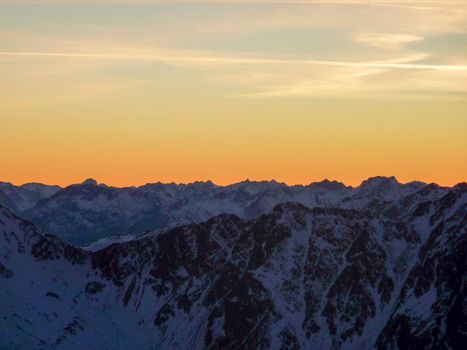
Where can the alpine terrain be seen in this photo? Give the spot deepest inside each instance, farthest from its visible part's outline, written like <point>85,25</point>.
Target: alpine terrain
<point>255,265</point>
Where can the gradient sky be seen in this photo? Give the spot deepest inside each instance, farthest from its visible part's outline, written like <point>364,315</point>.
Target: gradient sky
<point>130,92</point>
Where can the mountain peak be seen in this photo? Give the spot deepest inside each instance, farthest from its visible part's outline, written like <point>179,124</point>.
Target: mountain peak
<point>380,180</point>
<point>328,185</point>
<point>89,181</point>
<point>202,184</point>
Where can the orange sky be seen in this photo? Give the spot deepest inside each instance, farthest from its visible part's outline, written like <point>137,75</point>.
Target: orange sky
<point>130,94</point>
<point>312,145</point>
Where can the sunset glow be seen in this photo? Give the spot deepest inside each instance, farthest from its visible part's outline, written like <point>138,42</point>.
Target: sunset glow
<point>130,92</point>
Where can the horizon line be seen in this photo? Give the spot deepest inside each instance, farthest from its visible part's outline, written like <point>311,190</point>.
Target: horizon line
<point>246,180</point>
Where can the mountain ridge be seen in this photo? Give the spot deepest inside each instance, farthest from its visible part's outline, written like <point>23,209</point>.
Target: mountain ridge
<point>246,180</point>
<point>82,213</point>
<point>295,277</point>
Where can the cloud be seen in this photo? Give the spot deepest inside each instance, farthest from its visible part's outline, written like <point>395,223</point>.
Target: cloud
<point>271,77</point>
<point>382,63</point>
<point>387,41</point>
<point>209,59</point>
<point>356,82</point>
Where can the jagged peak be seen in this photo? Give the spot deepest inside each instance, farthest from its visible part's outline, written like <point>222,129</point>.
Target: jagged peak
<point>462,186</point>
<point>197,183</point>
<point>159,183</point>
<point>378,181</point>
<point>328,184</point>
<point>416,183</point>
<point>253,183</point>
<point>6,184</point>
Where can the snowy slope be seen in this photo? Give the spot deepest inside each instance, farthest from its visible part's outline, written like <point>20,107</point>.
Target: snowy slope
<point>24,197</point>
<point>85,212</point>
<point>295,278</point>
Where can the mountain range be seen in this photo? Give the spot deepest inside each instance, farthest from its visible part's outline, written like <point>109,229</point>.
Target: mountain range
<point>255,265</point>
<point>83,213</point>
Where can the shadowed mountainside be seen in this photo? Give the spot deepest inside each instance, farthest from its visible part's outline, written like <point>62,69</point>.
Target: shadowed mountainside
<point>388,275</point>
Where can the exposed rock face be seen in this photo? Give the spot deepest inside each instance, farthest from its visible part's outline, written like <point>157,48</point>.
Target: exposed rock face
<point>438,281</point>
<point>294,278</point>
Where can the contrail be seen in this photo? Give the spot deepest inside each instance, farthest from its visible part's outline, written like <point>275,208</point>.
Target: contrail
<point>236,60</point>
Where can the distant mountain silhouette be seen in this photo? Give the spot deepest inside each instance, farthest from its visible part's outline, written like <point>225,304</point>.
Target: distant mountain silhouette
<point>85,212</point>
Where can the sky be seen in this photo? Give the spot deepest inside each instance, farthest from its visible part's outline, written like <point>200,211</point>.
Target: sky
<point>130,92</point>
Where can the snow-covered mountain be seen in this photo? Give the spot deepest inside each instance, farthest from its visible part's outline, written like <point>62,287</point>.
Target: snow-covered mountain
<point>390,274</point>
<point>24,197</point>
<point>88,211</point>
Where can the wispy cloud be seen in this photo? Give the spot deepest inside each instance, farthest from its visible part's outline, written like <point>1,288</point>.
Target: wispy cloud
<point>268,77</point>
<point>195,58</point>
<point>375,58</point>
<point>387,41</point>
